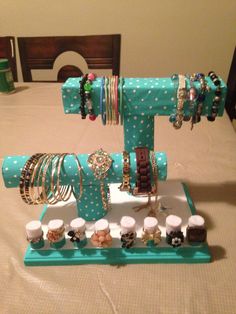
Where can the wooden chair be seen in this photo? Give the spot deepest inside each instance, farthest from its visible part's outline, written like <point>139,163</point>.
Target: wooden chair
<point>99,51</point>
<point>8,51</point>
<point>230,102</point>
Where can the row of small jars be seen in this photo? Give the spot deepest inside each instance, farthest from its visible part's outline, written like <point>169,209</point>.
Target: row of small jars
<point>101,238</point>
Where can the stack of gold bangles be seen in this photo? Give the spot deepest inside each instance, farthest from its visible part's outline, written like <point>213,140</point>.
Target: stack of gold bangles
<point>40,179</point>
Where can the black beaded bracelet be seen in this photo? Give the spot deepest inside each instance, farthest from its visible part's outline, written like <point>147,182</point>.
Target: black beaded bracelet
<point>217,98</point>
<point>82,96</point>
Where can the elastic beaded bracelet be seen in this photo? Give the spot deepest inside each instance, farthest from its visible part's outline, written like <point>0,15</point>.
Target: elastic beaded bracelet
<point>87,91</point>
<point>216,100</point>
<point>192,101</point>
<point>201,96</point>
<point>102,111</point>
<point>181,94</point>
<point>82,97</point>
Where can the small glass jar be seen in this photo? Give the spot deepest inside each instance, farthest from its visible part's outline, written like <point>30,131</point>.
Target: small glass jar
<point>6,78</point>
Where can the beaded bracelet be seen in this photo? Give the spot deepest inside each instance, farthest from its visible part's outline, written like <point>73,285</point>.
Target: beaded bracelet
<point>87,90</point>
<point>217,98</point>
<point>82,97</point>
<point>192,101</point>
<point>200,97</point>
<point>181,94</point>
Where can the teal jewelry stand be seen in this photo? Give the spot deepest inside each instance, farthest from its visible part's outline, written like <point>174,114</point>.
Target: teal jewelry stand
<point>142,100</point>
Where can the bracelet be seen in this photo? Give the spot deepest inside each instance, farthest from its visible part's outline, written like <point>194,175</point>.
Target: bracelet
<point>87,91</point>
<point>116,99</point>
<point>154,172</point>
<point>121,101</point>
<point>39,198</point>
<point>69,191</point>
<point>181,95</point>
<point>25,178</point>
<point>82,97</point>
<point>58,192</point>
<point>217,98</point>
<point>80,178</point>
<point>100,162</point>
<point>143,181</point>
<point>125,186</point>
<point>106,100</point>
<point>102,112</point>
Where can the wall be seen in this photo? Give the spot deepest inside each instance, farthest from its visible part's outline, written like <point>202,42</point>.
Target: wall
<point>158,37</point>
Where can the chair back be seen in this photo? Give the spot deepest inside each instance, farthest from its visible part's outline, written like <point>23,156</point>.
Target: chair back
<point>230,103</point>
<point>99,52</point>
<point>8,51</point>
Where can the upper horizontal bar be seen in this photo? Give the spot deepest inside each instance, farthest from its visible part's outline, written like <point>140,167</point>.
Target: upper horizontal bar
<point>142,96</point>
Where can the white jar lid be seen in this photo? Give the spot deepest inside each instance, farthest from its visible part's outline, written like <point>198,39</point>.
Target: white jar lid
<point>150,224</point>
<point>101,225</point>
<point>55,224</point>
<point>173,223</point>
<point>127,224</point>
<point>34,229</point>
<point>78,224</point>
<point>196,221</point>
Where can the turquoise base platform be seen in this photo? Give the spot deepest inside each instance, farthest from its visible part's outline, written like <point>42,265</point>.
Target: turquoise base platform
<point>173,195</point>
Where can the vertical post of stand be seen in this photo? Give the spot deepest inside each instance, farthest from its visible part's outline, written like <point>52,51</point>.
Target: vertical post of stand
<point>138,131</point>
<point>90,206</point>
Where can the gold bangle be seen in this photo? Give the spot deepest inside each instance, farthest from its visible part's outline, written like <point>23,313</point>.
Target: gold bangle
<point>154,173</point>
<point>38,199</point>
<point>125,186</point>
<point>25,178</point>
<point>69,189</point>
<point>47,197</point>
<point>80,178</point>
<point>57,193</point>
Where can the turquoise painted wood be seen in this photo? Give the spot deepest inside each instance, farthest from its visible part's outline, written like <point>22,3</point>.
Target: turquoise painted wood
<point>191,254</point>
<point>90,204</point>
<point>143,98</point>
<point>12,166</point>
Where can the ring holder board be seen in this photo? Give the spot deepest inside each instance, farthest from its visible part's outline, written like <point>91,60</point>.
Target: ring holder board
<point>143,98</point>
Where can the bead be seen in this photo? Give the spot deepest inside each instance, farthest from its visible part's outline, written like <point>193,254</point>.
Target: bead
<point>216,81</point>
<point>199,76</point>
<point>214,109</point>
<point>217,99</point>
<point>172,118</point>
<point>91,76</point>
<point>213,76</point>
<point>87,86</point>
<point>177,125</point>
<point>92,117</point>
<point>192,93</point>
<point>218,92</point>
<point>210,118</point>
<point>201,97</point>
<point>209,74</point>
<point>174,77</point>
<point>187,118</point>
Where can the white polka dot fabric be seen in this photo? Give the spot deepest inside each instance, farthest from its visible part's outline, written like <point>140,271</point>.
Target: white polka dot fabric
<point>90,204</point>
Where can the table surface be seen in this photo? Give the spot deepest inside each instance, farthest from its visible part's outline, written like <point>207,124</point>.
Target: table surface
<point>32,120</point>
